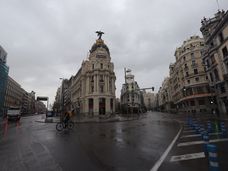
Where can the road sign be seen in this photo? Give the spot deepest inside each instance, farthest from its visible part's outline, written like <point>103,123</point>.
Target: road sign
<point>39,98</point>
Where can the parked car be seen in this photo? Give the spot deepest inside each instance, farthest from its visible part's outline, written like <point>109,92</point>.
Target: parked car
<point>14,113</point>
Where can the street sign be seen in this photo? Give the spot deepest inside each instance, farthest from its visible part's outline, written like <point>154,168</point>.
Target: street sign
<point>39,98</point>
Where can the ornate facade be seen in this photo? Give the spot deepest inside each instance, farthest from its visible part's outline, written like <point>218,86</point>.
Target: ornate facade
<point>92,89</point>
<point>215,57</point>
<point>189,89</point>
<point>131,98</point>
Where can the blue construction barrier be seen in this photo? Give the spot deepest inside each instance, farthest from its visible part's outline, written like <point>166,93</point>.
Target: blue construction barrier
<point>223,130</point>
<point>209,127</point>
<point>205,138</point>
<point>213,157</point>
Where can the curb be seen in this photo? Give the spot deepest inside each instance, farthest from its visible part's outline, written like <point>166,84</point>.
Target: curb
<point>98,121</point>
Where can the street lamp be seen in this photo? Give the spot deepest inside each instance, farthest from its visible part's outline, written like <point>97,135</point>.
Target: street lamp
<point>62,97</point>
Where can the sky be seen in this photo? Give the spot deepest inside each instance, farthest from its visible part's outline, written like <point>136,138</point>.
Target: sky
<point>48,39</point>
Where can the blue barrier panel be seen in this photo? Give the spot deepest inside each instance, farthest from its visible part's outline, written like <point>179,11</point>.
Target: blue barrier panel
<point>206,140</point>
<point>224,133</point>
<point>213,157</point>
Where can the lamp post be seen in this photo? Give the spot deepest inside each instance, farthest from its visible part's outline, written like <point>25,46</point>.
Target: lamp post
<point>62,98</point>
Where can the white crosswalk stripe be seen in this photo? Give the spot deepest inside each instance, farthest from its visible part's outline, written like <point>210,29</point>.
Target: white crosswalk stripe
<point>187,157</point>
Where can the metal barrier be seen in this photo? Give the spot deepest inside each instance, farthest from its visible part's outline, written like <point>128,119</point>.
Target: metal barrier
<point>213,157</point>
<point>205,137</point>
<point>223,130</point>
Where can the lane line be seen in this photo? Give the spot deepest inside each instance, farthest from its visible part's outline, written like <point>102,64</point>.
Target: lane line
<point>187,157</point>
<point>164,155</point>
<point>200,142</point>
<point>198,135</point>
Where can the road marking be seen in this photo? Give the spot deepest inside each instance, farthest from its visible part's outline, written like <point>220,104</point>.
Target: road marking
<point>164,155</point>
<point>187,157</point>
<point>200,142</point>
<point>198,135</point>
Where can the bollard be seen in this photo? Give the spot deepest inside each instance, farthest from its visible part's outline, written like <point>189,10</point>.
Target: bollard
<point>213,157</point>
<point>209,127</point>
<point>223,133</point>
<point>206,141</point>
<point>222,125</point>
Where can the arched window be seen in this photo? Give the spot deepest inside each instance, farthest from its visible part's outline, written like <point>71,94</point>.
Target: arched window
<point>216,75</point>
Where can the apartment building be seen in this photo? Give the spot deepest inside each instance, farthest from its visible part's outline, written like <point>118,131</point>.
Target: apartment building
<point>215,57</point>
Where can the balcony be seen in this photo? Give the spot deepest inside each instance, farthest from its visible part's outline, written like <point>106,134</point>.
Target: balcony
<point>194,65</point>
<point>225,77</point>
<point>101,81</point>
<point>225,58</point>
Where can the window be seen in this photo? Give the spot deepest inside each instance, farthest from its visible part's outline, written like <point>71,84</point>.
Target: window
<point>211,77</point>
<point>192,103</point>
<point>216,75</point>
<point>197,78</point>
<point>101,78</point>
<point>212,59</point>
<point>207,63</point>
<point>93,66</point>
<point>187,74</point>
<point>225,52</point>
<point>184,58</point>
<point>195,71</point>
<point>188,81</point>
<point>201,102</point>
<point>222,88</point>
<point>199,90</point>
<point>192,56</point>
<point>101,66</point>
<point>221,38</point>
<point>101,88</point>
<point>92,88</point>
<point>185,66</point>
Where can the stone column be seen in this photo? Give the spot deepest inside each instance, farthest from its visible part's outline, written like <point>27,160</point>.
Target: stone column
<point>107,106</point>
<point>95,83</point>
<point>98,83</point>
<point>87,85</point>
<point>96,106</point>
<point>86,106</point>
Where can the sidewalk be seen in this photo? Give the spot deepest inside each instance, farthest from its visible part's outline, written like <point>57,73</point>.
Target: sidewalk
<point>116,118</point>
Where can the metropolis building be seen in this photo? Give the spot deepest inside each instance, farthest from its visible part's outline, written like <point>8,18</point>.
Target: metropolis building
<point>92,89</point>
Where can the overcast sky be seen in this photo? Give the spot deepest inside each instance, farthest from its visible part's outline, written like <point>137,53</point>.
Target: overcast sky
<point>49,39</point>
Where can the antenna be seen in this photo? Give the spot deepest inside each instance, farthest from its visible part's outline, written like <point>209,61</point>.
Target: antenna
<point>218,5</point>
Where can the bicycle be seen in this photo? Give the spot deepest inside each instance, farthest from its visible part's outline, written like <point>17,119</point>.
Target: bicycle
<point>62,125</point>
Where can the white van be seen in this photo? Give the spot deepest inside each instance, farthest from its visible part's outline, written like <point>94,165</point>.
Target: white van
<point>14,113</point>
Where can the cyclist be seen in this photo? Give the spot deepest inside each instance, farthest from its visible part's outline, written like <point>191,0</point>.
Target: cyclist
<point>67,116</point>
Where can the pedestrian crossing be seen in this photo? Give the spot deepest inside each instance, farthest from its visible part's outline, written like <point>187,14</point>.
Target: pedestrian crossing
<point>190,146</point>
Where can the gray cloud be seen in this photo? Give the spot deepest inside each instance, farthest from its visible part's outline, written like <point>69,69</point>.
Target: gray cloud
<point>49,39</point>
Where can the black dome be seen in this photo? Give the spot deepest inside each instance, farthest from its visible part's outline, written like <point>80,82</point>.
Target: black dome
<point>96,45</point>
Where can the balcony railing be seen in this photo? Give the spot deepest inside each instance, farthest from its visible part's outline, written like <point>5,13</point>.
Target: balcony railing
<point>225,77</point>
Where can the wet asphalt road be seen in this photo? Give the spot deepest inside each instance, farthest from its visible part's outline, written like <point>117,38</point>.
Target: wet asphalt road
<point>133,145</point>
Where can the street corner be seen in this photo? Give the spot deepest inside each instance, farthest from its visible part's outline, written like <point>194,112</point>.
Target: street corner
<point>199,142</point>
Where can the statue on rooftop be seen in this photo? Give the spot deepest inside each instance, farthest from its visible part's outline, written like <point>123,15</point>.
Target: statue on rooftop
<point>99,34</point>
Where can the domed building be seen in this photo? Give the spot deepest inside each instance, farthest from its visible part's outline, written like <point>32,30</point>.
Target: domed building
<point>93,87</point>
